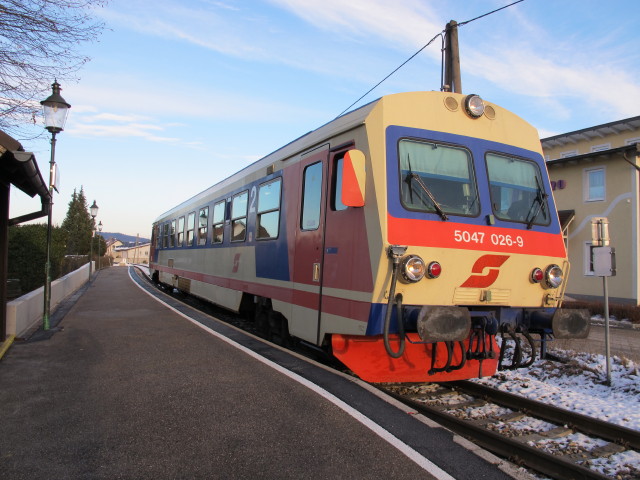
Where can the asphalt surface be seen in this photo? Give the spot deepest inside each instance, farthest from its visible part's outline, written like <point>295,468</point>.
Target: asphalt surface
<point>624,341</point>
<point>128,388</point>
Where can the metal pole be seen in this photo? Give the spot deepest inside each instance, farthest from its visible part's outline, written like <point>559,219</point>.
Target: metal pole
<point>90,253</point>
<point>452,58</point>
<point>4,257</point>
<point>47,267</point>
<point>607,344</point>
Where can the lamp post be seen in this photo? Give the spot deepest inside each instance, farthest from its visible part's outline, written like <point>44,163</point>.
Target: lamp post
<point>94,213</point>
<point>55,110</point>
<point>99,238</point>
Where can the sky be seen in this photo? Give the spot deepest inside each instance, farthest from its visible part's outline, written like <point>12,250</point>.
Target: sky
<point>180,94</point>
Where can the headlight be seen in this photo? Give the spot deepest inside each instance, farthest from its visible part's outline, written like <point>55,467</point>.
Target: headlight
<point>474,105</point>
<point>412,269</point>
<point>553,276</point>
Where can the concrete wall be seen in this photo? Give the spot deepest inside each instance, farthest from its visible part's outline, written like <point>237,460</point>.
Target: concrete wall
<point>25,313</point>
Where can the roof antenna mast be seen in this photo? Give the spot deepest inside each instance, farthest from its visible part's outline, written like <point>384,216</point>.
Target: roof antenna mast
<point>452,79</point>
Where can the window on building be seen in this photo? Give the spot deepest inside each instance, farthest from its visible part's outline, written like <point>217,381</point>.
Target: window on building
<point>311,197</point>
<point>594,184</point>
<point>601,148</point>
<point>180,231</point>
<point>191,225</point>
<point>269,209</point>
<point>239,217</point>
<point>631,141</point>
<point>203,225</point>
<point>569,153</point>
<point>218,221</point>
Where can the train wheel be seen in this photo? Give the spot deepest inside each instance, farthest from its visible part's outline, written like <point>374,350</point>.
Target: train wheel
<point>279,329</point>
<point>262,322</point>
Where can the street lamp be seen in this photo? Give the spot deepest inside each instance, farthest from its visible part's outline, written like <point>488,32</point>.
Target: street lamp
<point>55,110</point>
<point>99,238</point>
<point>94,213</point>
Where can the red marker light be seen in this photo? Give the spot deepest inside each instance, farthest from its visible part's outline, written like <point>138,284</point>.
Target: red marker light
<point>434,270</point>
<point>537,275</point>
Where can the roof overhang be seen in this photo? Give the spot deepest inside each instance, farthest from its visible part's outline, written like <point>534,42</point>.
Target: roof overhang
<point>627,150</point>
<point>19,168</point>
<point>587,134</point>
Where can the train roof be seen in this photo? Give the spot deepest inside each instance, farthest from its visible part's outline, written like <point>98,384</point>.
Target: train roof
<point>334,127</point>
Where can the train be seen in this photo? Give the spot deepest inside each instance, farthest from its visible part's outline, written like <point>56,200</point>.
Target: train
<point>414,239</point>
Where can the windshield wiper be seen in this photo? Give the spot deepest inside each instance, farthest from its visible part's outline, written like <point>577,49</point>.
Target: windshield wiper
<point>426,190</point>
<point>540,199</point>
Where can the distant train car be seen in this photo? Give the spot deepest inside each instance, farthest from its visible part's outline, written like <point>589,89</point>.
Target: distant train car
<point>401,237</point>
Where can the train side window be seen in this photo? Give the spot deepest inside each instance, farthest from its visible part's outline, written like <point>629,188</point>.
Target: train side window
<point>311,197</point>
<point>239,217</point>
<point>269,209</point>
<point>180,231</point>
<point>336,201</point>
<point>191,225</point>
<point>156,236</point>
<point>172,234</point>
<point>165,235</point>
<point>203,226</point>
<point>218,222</point>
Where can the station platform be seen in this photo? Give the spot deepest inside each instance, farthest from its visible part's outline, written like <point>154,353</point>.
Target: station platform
<point>134,386</point>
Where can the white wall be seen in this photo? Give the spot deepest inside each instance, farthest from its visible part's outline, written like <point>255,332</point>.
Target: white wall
<point>25,313</point>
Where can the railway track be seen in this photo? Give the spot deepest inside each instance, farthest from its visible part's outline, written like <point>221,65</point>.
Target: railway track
<point>555,442</point>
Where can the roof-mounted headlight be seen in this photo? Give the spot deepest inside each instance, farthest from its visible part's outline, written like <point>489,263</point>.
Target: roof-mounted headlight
<point>474,105</point>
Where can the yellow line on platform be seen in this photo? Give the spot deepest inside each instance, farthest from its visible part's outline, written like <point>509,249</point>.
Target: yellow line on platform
<point>6,344</point>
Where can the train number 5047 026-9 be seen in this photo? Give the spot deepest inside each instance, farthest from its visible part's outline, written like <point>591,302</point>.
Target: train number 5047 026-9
<point>464,236</point>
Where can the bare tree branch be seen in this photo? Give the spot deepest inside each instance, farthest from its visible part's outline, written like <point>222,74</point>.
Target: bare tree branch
<point>39,42</point>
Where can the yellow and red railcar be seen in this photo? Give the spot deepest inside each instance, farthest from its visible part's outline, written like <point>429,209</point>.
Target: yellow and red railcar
<point>402,236</point>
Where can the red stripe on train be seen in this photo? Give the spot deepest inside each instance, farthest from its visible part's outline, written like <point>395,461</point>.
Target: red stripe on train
<point>429,233</point>
<point>353,309</point>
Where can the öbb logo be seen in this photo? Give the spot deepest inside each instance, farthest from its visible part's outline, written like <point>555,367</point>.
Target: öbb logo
<point>491,262</point>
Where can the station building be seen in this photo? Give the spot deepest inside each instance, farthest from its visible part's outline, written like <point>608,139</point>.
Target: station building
<point>595,172</point>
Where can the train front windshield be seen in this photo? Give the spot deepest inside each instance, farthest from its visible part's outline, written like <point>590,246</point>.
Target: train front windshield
<point>439,178</point>
<point>516,190</point>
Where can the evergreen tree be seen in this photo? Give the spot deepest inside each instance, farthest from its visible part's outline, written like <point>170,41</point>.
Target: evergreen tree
<point>78,225</point>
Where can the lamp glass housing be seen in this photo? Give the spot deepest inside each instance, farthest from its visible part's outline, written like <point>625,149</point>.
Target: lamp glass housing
<point>94,209</point>
<point>55,110</point>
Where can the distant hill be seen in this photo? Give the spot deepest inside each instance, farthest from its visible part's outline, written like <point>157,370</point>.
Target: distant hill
<point>126,239</point>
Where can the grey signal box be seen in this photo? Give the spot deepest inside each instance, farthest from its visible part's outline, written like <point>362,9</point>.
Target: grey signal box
<point>604,261</point>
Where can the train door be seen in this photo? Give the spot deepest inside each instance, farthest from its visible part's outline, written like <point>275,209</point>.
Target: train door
<point>308,256</point>
<point>347,280</point>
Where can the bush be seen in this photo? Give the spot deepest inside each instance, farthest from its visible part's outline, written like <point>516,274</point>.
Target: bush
<point>28,254</point>
<point>620,311</point>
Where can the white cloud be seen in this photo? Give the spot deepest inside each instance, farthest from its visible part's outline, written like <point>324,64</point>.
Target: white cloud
<point>407,23</point>
<point>527,72</point>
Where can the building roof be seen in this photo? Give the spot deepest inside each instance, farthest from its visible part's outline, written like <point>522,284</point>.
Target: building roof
<point>627,149</point>
<point>597,131</point>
